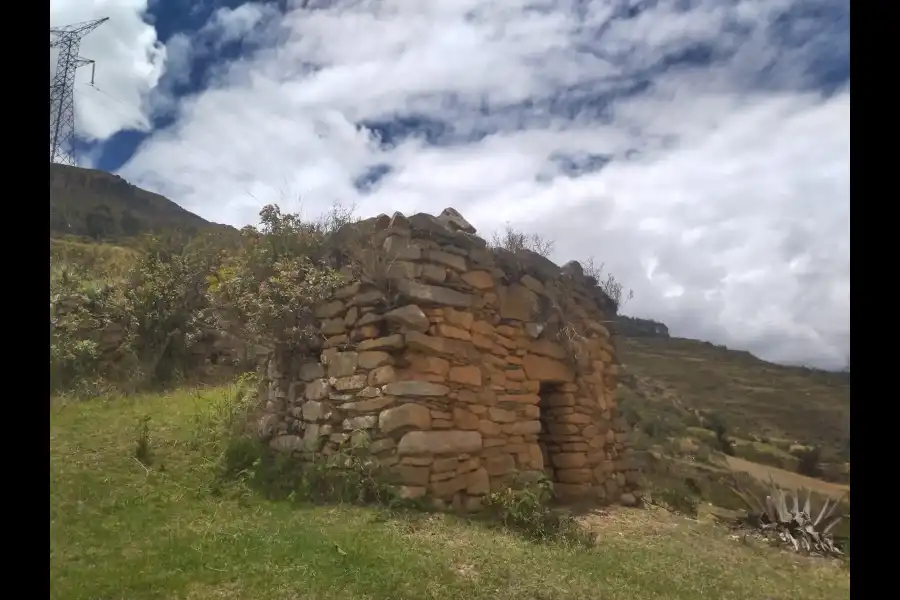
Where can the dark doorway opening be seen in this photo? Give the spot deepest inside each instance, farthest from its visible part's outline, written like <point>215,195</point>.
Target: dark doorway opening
<point>549,399</point>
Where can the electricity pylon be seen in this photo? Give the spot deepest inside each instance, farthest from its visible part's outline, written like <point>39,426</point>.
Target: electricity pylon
<point>62,87</point>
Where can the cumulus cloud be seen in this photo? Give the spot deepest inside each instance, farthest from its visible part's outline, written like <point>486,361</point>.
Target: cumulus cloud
<point>688,145</point>
<point>130,61</point>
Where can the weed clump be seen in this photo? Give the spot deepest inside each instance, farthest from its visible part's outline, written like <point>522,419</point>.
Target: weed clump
<point>525,507</point>
<point>142,441</point>
<point>238,460</point>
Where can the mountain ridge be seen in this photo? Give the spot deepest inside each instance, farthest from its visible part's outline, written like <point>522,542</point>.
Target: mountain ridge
<point>89,203</point>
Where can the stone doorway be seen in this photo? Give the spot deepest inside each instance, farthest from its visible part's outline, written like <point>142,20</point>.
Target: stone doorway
<point>551,397</point>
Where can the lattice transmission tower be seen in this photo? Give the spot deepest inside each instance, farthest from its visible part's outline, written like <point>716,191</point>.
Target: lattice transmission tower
<point>62,87</point>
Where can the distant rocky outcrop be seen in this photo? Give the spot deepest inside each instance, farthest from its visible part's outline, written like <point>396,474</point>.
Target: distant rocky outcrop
<point>635,327</point>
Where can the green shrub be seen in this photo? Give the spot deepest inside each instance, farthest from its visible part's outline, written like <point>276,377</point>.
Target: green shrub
<point>266,291</point>
<point>154,325</point>
<point>525,507</point>
<point>81,310</point>
<point>723,442</point>
<point>810,461</point>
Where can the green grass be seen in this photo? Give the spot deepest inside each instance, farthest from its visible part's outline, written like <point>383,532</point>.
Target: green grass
<point>119,529</point>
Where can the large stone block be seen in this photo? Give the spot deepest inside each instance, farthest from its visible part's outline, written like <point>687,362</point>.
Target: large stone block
<point>433,294</point>
<point>452,219</point>
<point>371,405</point>
<point>352,383</point>
<point>410,475</point>
<point>382,376</point>
<point>547,348</point>
<point>518,302</point>
<point>409,316</point>
<point>315,411</point>
<point>542,368</point>
<point>374,359</point>
<point>574,475</point>
<point>406,416</point>
<point>500,465</point>
<point>391,342</point>
<point>440,442</point>
<point>429,364</point>
<point>467,375</point>
<point>569,460</point>
<point>415,388</point>
<point>478,482</point>
<point>448,487</point>
<point>317,390</point>
<point>342,364</point>
<point>480,280</point>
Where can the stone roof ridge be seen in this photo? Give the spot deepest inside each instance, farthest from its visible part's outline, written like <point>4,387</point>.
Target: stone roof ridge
<point>452,227</point>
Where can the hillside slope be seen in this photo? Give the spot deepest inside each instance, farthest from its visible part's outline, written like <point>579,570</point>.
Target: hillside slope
<point>99,205</point>
<point>680,384</point>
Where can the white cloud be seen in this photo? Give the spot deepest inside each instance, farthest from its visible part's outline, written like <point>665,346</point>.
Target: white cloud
<point>130,61</point>
<point>736,195</point>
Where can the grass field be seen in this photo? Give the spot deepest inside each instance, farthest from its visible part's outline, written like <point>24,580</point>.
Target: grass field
<point>119,529</point>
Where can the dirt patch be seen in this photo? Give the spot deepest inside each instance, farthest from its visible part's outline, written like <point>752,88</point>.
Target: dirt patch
<point>786,478</point>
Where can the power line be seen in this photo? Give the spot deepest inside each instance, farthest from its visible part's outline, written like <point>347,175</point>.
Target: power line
<point>62,93</point>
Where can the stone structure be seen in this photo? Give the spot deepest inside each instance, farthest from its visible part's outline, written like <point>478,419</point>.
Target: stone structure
<point>461,365</point>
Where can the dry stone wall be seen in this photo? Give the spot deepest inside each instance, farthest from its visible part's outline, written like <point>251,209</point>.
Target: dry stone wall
<point>460,365</point>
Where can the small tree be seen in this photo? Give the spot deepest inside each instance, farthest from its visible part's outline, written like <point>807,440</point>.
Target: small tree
<point>610,285</point>
<point>515,241</point>
<point>266,292</point>
<point>718,426</point>
<point>166,302</point>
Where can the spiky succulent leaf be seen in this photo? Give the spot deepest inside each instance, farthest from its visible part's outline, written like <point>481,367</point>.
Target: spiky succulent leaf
<point>831,524</point>
<point>822,512</point>
<point>783,513</point>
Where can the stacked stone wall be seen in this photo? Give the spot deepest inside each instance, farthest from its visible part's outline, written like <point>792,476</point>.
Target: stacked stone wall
<point>461,366</point>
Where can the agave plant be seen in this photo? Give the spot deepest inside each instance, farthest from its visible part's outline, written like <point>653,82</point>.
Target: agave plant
<point>784,516</point>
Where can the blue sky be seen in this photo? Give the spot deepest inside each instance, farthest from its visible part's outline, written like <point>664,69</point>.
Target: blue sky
<point>698,148</point>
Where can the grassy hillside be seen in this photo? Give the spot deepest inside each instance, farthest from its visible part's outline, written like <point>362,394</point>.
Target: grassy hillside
<point>103,261</point>
<point>674,388</point>
<point>120,529</point>
<point>97,205</point>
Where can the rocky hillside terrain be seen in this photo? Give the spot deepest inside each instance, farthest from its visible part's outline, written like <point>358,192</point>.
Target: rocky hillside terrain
<point>87,203</point>
<point>701,413</point>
